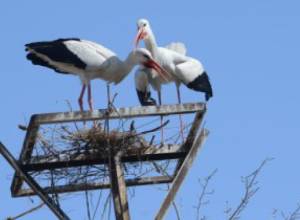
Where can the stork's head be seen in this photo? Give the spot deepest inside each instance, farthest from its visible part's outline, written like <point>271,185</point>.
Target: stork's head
<point>144,30</point>
<point>143,57</point>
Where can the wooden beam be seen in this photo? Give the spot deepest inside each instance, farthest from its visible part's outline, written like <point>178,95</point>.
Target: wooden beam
<point>93,186</point>
<point>193,131</point>
<point>101,114</point>
<point>98,161</point>
<point>33,184</point>
<point>187,163</point>
<point>118,188</point>
<point>186,146</point>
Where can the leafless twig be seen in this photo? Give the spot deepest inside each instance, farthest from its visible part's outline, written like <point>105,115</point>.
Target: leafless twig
<point>251,189</point>
<point>294,215</point>
<point>26,212</point>
<point>176,210</point>
<point>204,193</point>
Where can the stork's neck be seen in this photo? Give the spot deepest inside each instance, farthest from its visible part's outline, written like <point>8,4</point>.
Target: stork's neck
<point>125,68</point>
<point>150,43</point>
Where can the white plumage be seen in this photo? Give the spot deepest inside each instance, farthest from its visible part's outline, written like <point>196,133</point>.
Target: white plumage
<point>88,60</point>
<point>173,59</point>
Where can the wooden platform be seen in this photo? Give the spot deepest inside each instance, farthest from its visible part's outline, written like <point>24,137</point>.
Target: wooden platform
<point>184,154</point>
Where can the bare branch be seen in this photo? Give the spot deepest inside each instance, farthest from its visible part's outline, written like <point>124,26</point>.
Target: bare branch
<point>26,212</point>
<point>203,194</point>
<point>176,210</point>
<point>294,215</point>
<point>251,189</point>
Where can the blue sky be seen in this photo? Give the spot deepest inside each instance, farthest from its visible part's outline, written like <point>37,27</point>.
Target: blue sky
<point>250,50</point>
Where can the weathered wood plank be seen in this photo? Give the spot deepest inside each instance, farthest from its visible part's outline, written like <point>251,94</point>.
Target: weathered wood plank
<point>98,161</point>
<point>141,111</point>
<point>92,153</point>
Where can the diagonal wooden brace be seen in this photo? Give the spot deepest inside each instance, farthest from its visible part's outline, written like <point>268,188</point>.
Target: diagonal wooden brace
<point>33,184</point>
<point>181,174</point>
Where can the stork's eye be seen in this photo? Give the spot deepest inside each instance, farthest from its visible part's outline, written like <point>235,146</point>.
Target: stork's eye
<point>147,56</point>
<point>144,24</point>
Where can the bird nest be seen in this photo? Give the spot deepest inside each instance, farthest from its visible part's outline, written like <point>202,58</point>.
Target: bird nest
<point>93,147</point>
<point>98,142</point>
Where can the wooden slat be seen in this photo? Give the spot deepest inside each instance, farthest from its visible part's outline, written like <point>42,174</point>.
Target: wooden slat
<point>99,161</point>
<point>101,114</point>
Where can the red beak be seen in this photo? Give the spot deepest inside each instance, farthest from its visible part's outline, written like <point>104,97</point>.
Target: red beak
<point>140,36</point>
<point>161,71</point>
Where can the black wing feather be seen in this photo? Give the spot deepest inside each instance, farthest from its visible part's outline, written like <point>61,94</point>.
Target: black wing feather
<point>57,51</point>
<point>202,84</point>
<point>38,61</point>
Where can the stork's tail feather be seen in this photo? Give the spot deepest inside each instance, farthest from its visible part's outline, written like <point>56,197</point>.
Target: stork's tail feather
<point>202,84</point>
<point>208,95</point>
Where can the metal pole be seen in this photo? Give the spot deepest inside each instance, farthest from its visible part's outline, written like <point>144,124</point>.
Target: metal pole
<point>32,183</point>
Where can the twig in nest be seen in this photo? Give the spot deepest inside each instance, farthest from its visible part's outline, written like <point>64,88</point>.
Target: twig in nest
<point>22,127</point>
<point>154,129</point>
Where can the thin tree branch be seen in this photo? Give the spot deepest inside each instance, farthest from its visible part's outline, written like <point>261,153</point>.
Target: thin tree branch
<point>251,189</point>
<point>294,215</point>
<point>204,193</point>
<point>26,212</point>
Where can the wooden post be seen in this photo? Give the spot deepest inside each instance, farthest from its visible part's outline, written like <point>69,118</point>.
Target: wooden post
<point>118,188</point>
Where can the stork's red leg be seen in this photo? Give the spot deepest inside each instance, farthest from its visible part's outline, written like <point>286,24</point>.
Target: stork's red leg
<point>180,118</point>
<point>80,102</point>
<point>90,100</point>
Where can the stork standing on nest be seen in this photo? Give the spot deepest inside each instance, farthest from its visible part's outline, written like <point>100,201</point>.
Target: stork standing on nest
<point>89,61</point>
<point>183,69</point>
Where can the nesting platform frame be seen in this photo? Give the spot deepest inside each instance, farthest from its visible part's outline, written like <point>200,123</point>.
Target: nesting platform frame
<point>185,154</point>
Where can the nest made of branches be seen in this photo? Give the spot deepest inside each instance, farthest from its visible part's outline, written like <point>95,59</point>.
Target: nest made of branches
<point>64,143</point>
<point>99,142</point>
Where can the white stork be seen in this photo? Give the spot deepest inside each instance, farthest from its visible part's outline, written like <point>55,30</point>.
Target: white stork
<point>183,69</point>
<point>88,60</point>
